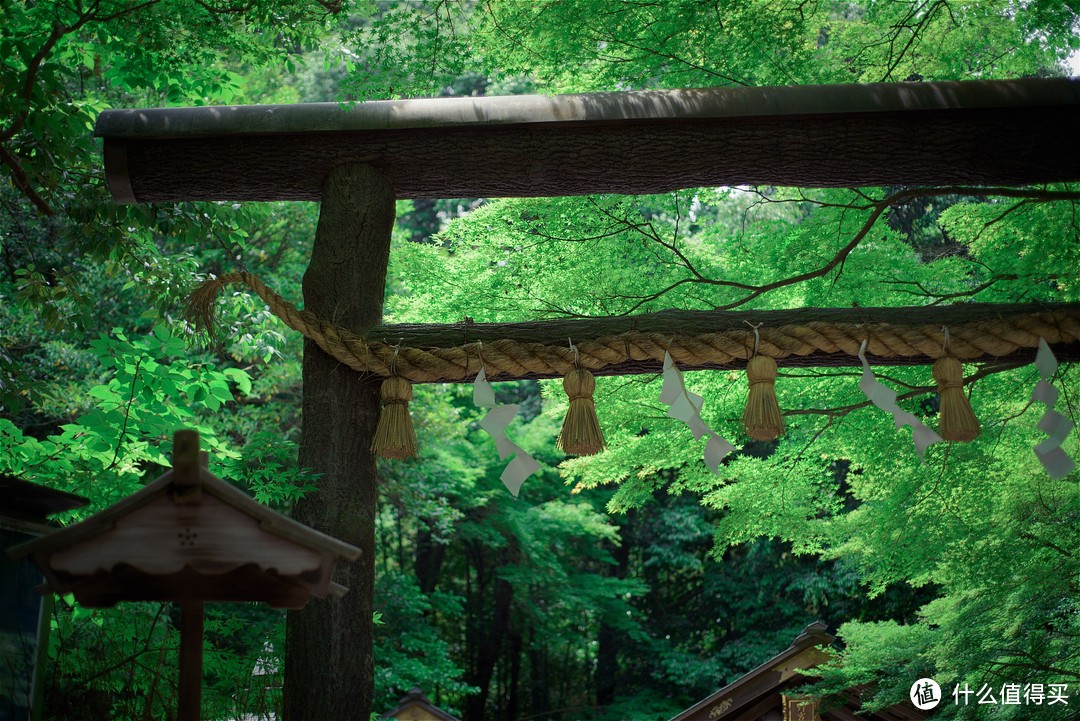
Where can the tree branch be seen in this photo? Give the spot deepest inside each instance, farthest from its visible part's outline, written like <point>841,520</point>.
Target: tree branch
<point>876,207</point>
<point>841,411</point>
<point>942,297</point>
<point>59,30</point>
<point>22,182</point>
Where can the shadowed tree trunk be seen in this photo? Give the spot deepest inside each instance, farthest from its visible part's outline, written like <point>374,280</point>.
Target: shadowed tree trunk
<point>329,667</point>
<point>429,558</point>
<point>539,683</point>
<point>487,637</point>
<point>607,652</point>
<point>513,702</point>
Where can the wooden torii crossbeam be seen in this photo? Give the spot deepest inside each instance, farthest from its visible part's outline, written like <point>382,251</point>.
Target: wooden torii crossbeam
<point>975,132</point>
<point>357,161</point>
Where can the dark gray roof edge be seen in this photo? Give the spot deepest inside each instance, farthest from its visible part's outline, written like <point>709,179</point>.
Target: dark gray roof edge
<point>35,499</point>
<point>648,105</point>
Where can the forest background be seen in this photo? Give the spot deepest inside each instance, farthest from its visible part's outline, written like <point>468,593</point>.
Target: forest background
<point>626,585</point>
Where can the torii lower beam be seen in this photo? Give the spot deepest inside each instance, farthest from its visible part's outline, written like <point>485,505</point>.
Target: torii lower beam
<point>696,340</point>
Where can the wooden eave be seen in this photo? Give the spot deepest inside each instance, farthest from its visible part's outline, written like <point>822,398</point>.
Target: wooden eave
<point>760,690</point>
<point>269,520</point>
<point>750,688</point>
<point>415,704</point>
<point>32,502</point>
<point>993,132</point>
<point>231,579</point>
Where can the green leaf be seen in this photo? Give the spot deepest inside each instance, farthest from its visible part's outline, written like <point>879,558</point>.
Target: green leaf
<point>221,391</point>
<point>105,393</point>
<point>240,378</point>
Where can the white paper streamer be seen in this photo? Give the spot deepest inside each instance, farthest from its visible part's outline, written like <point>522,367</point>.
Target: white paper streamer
<point>1049,452</point>
<point>686,407</point>
<point>495,422</point>
<point>885,398</point>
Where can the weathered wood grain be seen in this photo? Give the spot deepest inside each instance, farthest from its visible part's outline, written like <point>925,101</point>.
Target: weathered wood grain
<point>1007,132</point>
<point>162,538</point>
<point>329,645</point>
<point>978,147</point>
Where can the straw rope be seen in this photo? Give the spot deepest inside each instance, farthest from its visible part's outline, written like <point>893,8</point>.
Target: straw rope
<point>510,358</point>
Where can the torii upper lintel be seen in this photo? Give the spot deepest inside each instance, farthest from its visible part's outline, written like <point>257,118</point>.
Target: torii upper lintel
<point>994,132</point>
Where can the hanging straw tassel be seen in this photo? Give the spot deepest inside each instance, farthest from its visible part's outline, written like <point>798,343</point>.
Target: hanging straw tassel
<point>581,434</point>
<point>394,436</point>
<point>957,421</point>
<point>762,418</point>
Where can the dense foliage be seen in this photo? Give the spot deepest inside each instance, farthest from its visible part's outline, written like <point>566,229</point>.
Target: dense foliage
<point>629,584</point>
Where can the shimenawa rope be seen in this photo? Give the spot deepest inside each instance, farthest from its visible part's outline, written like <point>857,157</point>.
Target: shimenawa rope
<point>511,358</point>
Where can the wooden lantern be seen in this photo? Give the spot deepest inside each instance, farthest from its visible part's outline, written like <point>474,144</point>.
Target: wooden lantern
<point>189,537</point>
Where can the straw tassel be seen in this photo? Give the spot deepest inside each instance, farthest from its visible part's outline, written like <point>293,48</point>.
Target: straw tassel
<point>762,418</point>
<point>581,434</point>
<point>957,421</point>
<point>394,436</point>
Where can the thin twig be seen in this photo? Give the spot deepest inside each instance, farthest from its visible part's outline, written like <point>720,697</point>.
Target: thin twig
<point>127,416</point>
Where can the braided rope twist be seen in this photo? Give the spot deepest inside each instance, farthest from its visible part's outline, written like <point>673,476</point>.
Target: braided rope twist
<point>512,358</point>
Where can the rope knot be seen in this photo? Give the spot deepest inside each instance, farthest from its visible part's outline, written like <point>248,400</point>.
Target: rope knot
<point>761,369</point>
<point>395,389</point>
<point>579,384</point>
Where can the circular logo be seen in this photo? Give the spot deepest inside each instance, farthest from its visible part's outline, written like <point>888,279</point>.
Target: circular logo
<point>925,694</point>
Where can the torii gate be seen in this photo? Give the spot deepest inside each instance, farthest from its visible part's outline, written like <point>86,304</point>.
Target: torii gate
<point>358,160</point>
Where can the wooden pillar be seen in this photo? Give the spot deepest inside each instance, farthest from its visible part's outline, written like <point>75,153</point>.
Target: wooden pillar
<point>187,492</point>
<point>328,651</point>
<point>191,638</point>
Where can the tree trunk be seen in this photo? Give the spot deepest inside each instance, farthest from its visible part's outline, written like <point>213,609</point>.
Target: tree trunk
<point>539,681</point>
<point>608,637</point>
<point>429,559</point>
<point>488,649</point>
<point>329,667</point>
<point>513,702</point>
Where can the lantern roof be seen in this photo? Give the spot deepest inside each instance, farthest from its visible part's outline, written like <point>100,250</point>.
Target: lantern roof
<point>189,535</point>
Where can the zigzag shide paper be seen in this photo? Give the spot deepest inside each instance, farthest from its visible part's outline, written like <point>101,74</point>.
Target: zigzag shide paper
<point>885,398</point>
<point>1049,452</point>
<point>686,407</point>
<point>495,422</point>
